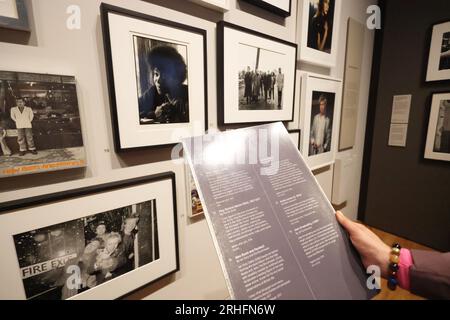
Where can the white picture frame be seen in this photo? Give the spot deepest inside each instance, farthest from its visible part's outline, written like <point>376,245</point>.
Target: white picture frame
<point>437,125</point>
<point>306,52</point>
<point>439,58</point>
<point>219,5</point>
<point>313,87</point>
<point>29,273</point>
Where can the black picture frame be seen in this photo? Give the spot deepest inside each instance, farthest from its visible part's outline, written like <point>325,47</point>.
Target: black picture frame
<point>21,23</point>
<point>272,8</point>
<point>10,206</point>
<point>299,136</point>
<point>105,9</point>
<point>221,25</point>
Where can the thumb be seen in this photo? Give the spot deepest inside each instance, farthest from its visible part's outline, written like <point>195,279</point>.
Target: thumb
<point>348,225</point>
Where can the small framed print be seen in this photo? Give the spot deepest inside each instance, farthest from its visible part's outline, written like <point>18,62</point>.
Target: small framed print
<point>256,76</point>
<point>14,15</point>
<point>278,7</point>
<point>295,136</point>
<point>40,124</point>
<point>318,33</point>
<point>195,206</point>
<point>438,137</point>
<point>320,114</point>
<point>220,5</point>
<point>439,57</point>
<point>156,78</point>
<point>111,240</point>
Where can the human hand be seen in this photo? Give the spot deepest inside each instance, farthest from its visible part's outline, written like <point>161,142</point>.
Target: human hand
<point>372,250</point>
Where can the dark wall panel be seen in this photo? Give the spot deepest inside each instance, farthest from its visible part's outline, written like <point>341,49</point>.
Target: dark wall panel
<point>406,194</point>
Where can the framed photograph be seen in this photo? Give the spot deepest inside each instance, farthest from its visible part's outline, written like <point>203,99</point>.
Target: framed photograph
<point>156,76</point>
<point>320,114</point>
<point>40,127</point>
<point>256,76</point>
<point>279,7</point>
<point>220,5</point>
<point>318,32</point>
<point>438,137</point>
<point>14,15</point>
<point>439,58</point>
<point>112,239</point>
<point>195,207</point>
<point>295,136</point>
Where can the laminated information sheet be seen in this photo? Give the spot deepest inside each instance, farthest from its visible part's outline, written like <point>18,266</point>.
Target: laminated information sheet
<point>273,227</point>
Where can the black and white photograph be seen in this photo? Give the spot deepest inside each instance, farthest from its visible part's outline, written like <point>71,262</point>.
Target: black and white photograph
<point>320,108</point>
<point>320,27</point>
<point>157,78</point>
<point>162,81</point>
<point>40,126</point>
<point>322,111</point>
<point>99,247</point>
<point>319,22</point>
<point>444,63</point>
<point>439,57</point>
<point>96,242</point>
<point>257,76</point>
<point>261,79</point>
<point>438,137</point>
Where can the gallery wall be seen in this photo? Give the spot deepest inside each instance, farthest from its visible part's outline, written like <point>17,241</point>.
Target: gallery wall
<point>53,48</point>
<point>407,195</point>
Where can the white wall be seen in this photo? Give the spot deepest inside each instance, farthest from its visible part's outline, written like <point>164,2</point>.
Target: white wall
<point>58,50</point>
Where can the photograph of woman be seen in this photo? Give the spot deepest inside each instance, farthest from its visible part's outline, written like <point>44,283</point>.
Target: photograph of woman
<point>320,29</point>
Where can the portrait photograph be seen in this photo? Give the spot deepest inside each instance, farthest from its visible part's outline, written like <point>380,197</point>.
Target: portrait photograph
<point>162,81</point>
<point>257,76</point>
<point>261,79</point>
<point>320,109</point>
<point>438,137</point>
<point>320,26</point>
<point>103,246</point>
<point>319,29</point>
<point>156,72</point>
<point>40,126</point>
<point>112,239</point>
<point>439,57</point>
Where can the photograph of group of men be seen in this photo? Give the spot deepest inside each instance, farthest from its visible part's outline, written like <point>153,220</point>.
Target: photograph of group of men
<point>60,261</point>
<point>261,79</point>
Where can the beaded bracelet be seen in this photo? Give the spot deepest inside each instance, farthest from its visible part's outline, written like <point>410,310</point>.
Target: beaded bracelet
<point>393,266</point>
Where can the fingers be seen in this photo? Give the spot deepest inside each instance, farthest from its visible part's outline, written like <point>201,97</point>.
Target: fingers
<point>348,225</point>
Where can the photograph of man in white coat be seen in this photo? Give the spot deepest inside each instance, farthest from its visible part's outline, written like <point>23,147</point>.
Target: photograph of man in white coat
<point>23,118</point>
<point>321,127</point>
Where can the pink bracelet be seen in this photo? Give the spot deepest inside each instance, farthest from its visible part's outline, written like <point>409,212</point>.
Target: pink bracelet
<point>404,264</point>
